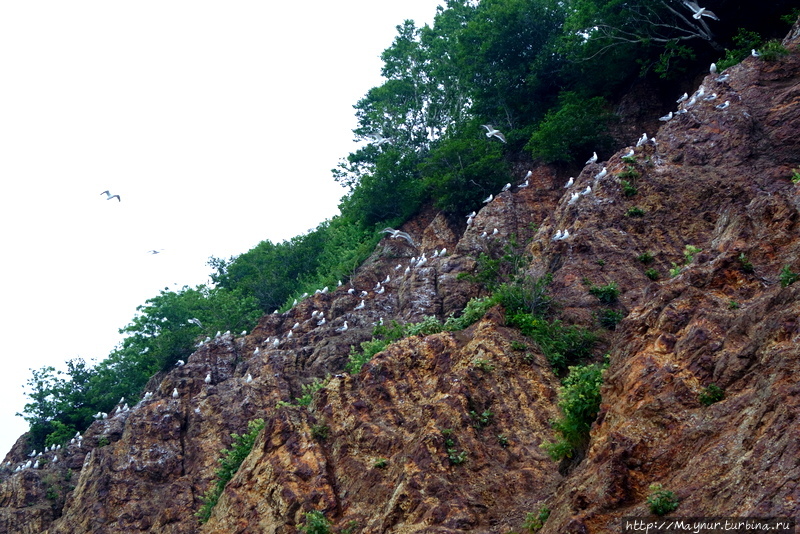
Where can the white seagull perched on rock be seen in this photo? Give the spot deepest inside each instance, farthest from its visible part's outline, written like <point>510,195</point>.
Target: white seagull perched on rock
<point>724,105</point>
<point>574,198</point>
<point>506,187</point>
<point>180,363</point>
<point>491,131</point>
<point>713,68</point>
<point>109,196</point>
<point>342,328</point>
<point>601,174</point>
<point>208,378</point>
<point>569,182</point>
<point>249,378</point>
<point>523,184</point>
<point>754,53</point>
<point>593,159</point>
<point>587,191</point>
<point>682,98</point>
<point>529,174</point>
<point>360,306</point>
<point>699,11</point>
<point>629,154</point>
<point>557,236</point>
<point>488,199</point>
<point>400,234</point>
<point>642,140</point>
<point>175,393</point>
<point>667,117</point>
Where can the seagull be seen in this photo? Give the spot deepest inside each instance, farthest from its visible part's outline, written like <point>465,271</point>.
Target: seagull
<point>699,11</point>
<point>557,236</point>
<point>289,335</point>
<point>249,378</point>
<point>569,182</point>
<point>524,184</point>
<point>724,105</point>
<point>496,231</point>
<point>565,234</point>
<point>363,294</point>
<point>154,251</point>
<point>469,221</point>
<point>754,53</point>
<point>443,252</point>
<point>400,234</point>
<point>709,98</point>
<point>321,322</point>
<point>408,270</point>
<point>506,187</point>
<point>351,291</point>
<point>195,321</point>
<point>296,326</point>
<point>592,159</point>
<point>713,68</point>
<point>360,306</point>
<point>386,281</point>
<point>587,190</point>
<point>530,173</point>
<point>381,290</point>
<point>629,154</point>
<point>377,287</point>
<point>378,139</point>
<point>399,266</point>
<point>484,234</point>
<point>488,199</point>
<point>109,196</point>
<point>491,131</point>
<point>175,393</point>
<point>723,78</point>
<point>574,198</point>
<point>601,174</point>
<point>342,328</point>
<point>666,117</point>
<point>208,378</point>
<point>471,215</point>
<point>179,363</point>
<point>642,140</point>
<point>276,342</point>
<point>682,98</point>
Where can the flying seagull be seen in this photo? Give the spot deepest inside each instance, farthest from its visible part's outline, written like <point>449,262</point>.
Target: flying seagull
<point>195,321</point>
<point>378,139</point>
<point>154,251</point>
<point>400,234</point>
<point>699,11</point>
<point>109,196</point>
<point>491,131</point>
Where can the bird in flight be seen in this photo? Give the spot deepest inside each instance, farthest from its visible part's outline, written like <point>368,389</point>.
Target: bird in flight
<point>399,234</point>
<point>491,131</point>
<point>699,11</point>
<point>154,251</point>
<point>109,196</point>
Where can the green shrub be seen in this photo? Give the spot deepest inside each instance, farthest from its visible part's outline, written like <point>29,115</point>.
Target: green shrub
<point>429,325</point>
<point>357,359</point>
<point>230,461</point>
<point>744,41</point>
<point>309,390</point>
<point>526,296</point>
<point>535,522</point>
<point>606,294</point>
<point>772,50</point>
<point>689,252</point>
<point>579,400</point>
<point>561,345</point>
<point>646,258</point>
<point>745,264</point>
<point>455,457</point>
<point>474,311</point>
<point>320,432</point>
<point>609,318</point>
<point>481,420</point>
<point>577,125</point>
<point>315,523</point>
<point>380,463</point>
<point>711,394</point>
<point>502,439</point>
<point>484,365</point>
<point>795,176</point>
<point>661,501</point>
<point>635,211</point>
<point>733,305</point>
<point>788,277</point>
<point>652,274</point>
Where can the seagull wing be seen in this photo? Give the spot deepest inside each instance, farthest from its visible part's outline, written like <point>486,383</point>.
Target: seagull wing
<point>691,5</point>
<point>115,196</point>
<point>500,136</point>
<point>709,14</point>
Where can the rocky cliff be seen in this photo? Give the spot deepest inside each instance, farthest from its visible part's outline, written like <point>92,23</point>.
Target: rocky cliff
<point>374,451</point>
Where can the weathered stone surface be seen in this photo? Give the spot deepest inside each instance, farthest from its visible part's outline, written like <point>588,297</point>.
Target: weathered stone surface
<point>716,179</point>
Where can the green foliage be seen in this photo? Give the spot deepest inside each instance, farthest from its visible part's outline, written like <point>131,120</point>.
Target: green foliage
<point>320,432</point>
<point>481,420</point>
<point>483,365</point>
<point>475,309</point>
<point>788,277</point>
<point>733,305</point>
<point>711,394</point>
<point>795,176</point>
<point>315,523</point>
<point>230,461</point>
<point>653,274</point>
<point>356,359</point>
<point>744,41</point>
<point>661,501</point>
<point>635,211</point>
<point>429,325</point>
<point>309,390</point>
<point>527,295</point>
<point>579,400</point>
<point>461,171</point>
<point>646,258</point>
<point>609,318</point>
<point>606,294</point>
<point>380,463</point>
<point>560,344</point>
<point>455,457</point>
<point>628,189</point>
<point>102,441</point>
<point>745,264</point>
<point>535,522</point>
<point>689,252</point>
<point>674,60</point>
<point>577,126</point>
<point>502,439</point>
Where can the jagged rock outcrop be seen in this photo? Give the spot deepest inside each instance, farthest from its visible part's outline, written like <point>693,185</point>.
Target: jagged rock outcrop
<point>382,450</point>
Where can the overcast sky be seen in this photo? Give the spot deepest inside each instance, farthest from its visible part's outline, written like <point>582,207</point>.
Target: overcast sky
<point>217,123</point>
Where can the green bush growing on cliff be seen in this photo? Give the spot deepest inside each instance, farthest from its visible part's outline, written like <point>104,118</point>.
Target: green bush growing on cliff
<point>315,523</point>
<point>579,400</point>
<point>661,501</point>
<point>230,461</point>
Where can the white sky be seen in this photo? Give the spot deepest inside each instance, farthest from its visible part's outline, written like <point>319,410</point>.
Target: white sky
<point>216,122</point>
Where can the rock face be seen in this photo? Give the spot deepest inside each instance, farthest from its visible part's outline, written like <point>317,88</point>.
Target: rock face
<point>442,433</point>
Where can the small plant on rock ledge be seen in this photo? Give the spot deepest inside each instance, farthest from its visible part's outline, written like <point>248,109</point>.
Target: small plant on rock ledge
<point>711,394</point>
<point>535,522</point>
<point>646,258</point>
<point>315,523</point>
<point>661,501</point>
<point>609,318</point>
<point>788,277</point>
<point>380,463</point>
<point>483,365</point>
<point>606,294</point>
<point>745,264</point>
<point>481,420</point>
<point>635,211</point>
<point>652,274</point>
<point>320,432</point>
